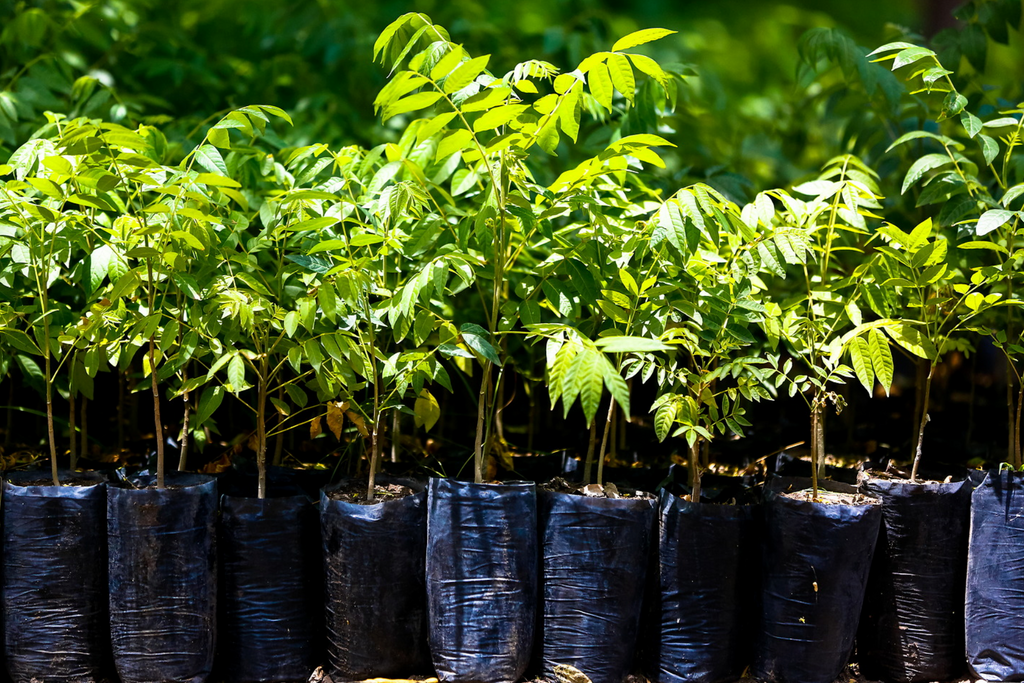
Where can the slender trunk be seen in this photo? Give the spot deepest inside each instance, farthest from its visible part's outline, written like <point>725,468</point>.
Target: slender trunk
<point>479,456</point>
<point>589,464</point>
<point>609,422</point>
<point>120,410</point>
<point>924,421</point>
<point>624,420</point>
<point>72,435</point>
<point>49,416</point>
<point>1016,434</point>
<point>184,439</point>
<point>395,433</point>
<point>279,439</point>
<point>1011,448</point>
<point>156,415</point>
<point>85,429</point>
<point>531,420</point>
<point>261,432</point>
<point>10,413</point>
<point>819,438</point>
<point>921,372</point>
<point>695,472</point>
<point>613,443</point>
<point>814,448</point>
<point>969,434</point>
<point>374,459</point>
<point>499,403</point>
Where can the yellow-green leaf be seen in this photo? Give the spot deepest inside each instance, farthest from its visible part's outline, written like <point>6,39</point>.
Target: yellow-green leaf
<point>640,37</point>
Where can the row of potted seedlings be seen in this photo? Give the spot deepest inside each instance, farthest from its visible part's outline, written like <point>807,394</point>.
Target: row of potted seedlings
<point>476,581</point>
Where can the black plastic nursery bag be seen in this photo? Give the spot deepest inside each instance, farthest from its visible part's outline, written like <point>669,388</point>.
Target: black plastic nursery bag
<point>816,559</point>
<point>271,599</point>
<point>995,579</point>
<point>702,614</point>
<point>163,579</point>
<point>594,555</point>
<point>55,579</point>
<point>374,559</point>
<point>481,579</point>
<point>912,625</point>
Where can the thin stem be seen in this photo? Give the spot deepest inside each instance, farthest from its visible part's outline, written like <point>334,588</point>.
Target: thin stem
<point>695,472</point>
<point>73,450</point>
<point>1016,435</point>
<point>85,429</point>
<point>609,422</point>
<point>924,421</point>
<point>814,448</point>
<point>589,464</point>
<point>184,438</point>
<point>481,414</point>
<point>395,426</point>
<point>261,432</point>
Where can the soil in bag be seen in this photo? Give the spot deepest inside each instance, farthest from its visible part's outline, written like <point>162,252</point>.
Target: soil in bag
<point>995,580</point>
<point>55,578</point>
<point>594,556</point>
<point>481,579</point>
<point>702,604</point>
<point>912,624</point>
<point>815,562</point>
<point>162,578</point>
<point>271,590</point>
<point>373,558</point>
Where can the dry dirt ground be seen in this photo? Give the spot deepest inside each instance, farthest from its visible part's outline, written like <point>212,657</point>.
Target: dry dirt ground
<point>851,674</point>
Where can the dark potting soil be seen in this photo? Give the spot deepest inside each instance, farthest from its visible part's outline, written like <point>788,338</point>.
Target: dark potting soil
<point>609,490</point>
<point>354,491</point>
<point>833,497</point>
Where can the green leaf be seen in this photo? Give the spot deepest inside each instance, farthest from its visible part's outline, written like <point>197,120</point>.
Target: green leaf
<point>971,123</point>
<point>621,72</point>
<point>860,359</point>
<point>236,374</point>
<point>640,37</point>
<point>663,419</point>
<point>589,378</point>
<point>992,220</point>
<point>600,82</point>
<point>989,148</point>
<point>420,100</point>
<point>912,340</point>
<point>209,158</point>
<point>910,55</point>
<point>881,358</point>
<point>427,410</point>
<point>476,338</point>
<point>583,281</point>
<point>617,386</point>
<point>926,163</point>
<point>624,344</point>
<point>465,74</point>
<point>208,403</point>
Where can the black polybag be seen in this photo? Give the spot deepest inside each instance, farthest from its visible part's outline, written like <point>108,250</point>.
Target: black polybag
<point>912,624</point>
<point>702,606</point>
<point>995,579</point>
<point>163,578</point>
<point>481,579</point>
<point>374,572</point>
<point>55,579</point>
<point>816,559</point>
<point>594,555</point>
<point>271,600</point>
